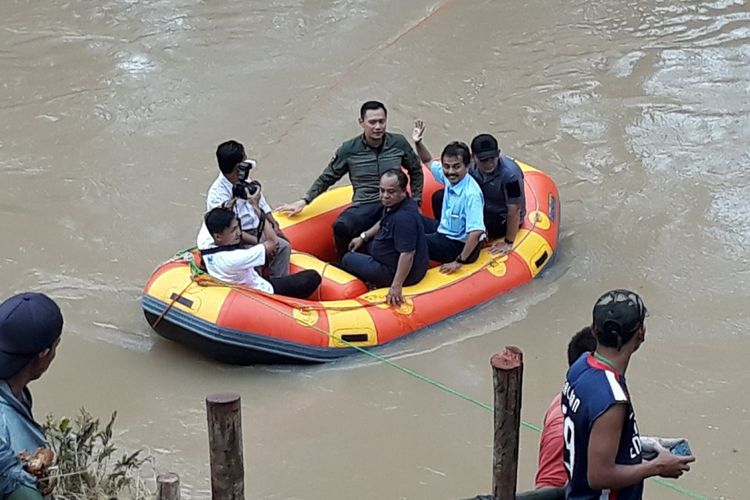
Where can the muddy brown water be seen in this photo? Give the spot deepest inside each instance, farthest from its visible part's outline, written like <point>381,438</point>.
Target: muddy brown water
<point>110,114</point>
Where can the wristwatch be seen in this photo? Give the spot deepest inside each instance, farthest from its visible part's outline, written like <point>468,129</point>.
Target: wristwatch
<point>509,242</point>
<point>363,235</point>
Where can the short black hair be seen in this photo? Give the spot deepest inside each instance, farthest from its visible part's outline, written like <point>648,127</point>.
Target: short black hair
<point>371,105</point>
<point>218,219</point>
<point>229,154</point>
<point>581,342</point>
<point>400,176</point>
<point>457,149</point>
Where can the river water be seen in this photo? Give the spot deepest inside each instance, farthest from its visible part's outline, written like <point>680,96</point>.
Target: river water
<point>111,111</point>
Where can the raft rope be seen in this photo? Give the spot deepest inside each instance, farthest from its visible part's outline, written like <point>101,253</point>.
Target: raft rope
<point>201,278</point>
<point>169,306</point>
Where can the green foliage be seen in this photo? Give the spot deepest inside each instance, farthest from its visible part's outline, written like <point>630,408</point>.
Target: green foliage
<point>86,464</point>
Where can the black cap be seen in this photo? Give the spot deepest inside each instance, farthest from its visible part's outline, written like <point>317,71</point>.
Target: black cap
<point>29,324</point>
<point>618,314</point>
<point>484,147</point>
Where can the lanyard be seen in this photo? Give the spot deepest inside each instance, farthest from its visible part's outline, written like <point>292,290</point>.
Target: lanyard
<point>605,361</point>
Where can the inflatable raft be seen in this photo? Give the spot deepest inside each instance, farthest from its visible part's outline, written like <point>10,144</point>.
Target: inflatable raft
<point>236,324</point>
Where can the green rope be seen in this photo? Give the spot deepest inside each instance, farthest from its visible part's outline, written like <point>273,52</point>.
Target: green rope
<point>480,404</point>
<point>679,489</point>
<point>195,270</point>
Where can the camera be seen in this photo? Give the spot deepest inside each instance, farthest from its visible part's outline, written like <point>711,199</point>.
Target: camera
<point>242,189</point>
<point>244,168</point>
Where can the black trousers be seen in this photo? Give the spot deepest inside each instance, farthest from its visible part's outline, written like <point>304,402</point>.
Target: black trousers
<point>495,224</point>
<point>298,285</point>
<point>352,221</point>
<point>443,249</point>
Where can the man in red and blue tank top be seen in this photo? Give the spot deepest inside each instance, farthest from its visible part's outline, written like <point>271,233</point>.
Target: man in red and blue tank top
<point>602,453</point>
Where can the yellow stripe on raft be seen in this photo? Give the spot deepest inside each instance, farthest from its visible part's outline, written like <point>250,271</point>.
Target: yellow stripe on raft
<point>525,167</point>
<point>206,301</point>
<point>331,199</point>
<point>307,261</point>
<point>434,279</point>
<point>351,319</point>
<point>531,249</point>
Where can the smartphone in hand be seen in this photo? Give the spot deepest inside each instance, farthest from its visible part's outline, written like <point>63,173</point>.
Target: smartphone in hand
<point>681,449</point>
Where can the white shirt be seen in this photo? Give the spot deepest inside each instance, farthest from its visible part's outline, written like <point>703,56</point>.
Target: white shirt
<point>221,191</point>
<point>236,266</point>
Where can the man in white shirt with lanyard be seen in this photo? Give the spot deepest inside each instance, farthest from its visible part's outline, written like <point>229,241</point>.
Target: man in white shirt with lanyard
<point>227,258</point>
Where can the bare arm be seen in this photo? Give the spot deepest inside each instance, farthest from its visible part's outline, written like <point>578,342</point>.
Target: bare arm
<point>270,220</point>
<point>513,222</point>
<point>412,163</point>
<point>249,238</point>
<point>405,261</point>
<point>357,242</point>
<point>604,442</point>
<point>270,240</point>
<point>471,243</point>
<point>417,135</point>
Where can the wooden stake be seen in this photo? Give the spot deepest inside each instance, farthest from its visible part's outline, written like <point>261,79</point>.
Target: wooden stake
<point>225,446</point>
<point>507,370</point>
<point>168,486</point>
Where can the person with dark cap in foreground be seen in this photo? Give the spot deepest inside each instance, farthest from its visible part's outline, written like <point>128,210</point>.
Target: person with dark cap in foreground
<point>603,454</point>
<point>30,329</point>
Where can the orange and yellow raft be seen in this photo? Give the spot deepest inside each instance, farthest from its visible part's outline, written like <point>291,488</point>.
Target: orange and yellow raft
<point>236,324</point>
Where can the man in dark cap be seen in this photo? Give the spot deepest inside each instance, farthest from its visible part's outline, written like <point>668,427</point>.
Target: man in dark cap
<point>501,180</point>
<point>602,454</point>
<point>30,328</point>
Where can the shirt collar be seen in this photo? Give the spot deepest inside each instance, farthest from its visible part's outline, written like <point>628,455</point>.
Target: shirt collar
<point>458,188</point>
<point>401,204</point>
<point>475,172</point>
<point>595,363</point>
<point>225,183</point>
<point>386,141</point>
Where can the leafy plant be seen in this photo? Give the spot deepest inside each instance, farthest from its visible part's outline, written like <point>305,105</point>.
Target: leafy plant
<point>86,467</point>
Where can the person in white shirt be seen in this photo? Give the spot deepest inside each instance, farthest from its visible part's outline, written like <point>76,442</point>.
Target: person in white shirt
<point>229,259</point>
<point>229,155</point>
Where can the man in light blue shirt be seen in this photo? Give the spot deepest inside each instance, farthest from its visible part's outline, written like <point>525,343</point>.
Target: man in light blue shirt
<point>455,241</point>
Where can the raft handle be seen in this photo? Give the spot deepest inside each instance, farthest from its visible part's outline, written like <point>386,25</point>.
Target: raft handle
<point>355,337</point>
<point>541,260</point>
<point>182,300</point>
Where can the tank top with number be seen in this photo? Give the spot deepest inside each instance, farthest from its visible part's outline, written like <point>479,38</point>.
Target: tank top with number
<point>590,389</point>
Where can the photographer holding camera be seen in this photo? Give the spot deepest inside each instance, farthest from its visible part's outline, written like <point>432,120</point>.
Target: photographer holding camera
<point>231,189</point>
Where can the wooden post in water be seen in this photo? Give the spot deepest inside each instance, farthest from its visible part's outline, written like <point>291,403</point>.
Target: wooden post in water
<point>507,368</point>
<point>168,486</point>
<point>225,446</point>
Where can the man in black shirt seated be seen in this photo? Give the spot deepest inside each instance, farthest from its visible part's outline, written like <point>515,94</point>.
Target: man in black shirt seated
<point>396,245</point>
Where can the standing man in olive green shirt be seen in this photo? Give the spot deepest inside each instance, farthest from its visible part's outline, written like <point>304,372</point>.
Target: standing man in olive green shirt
<point>365,158</point>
